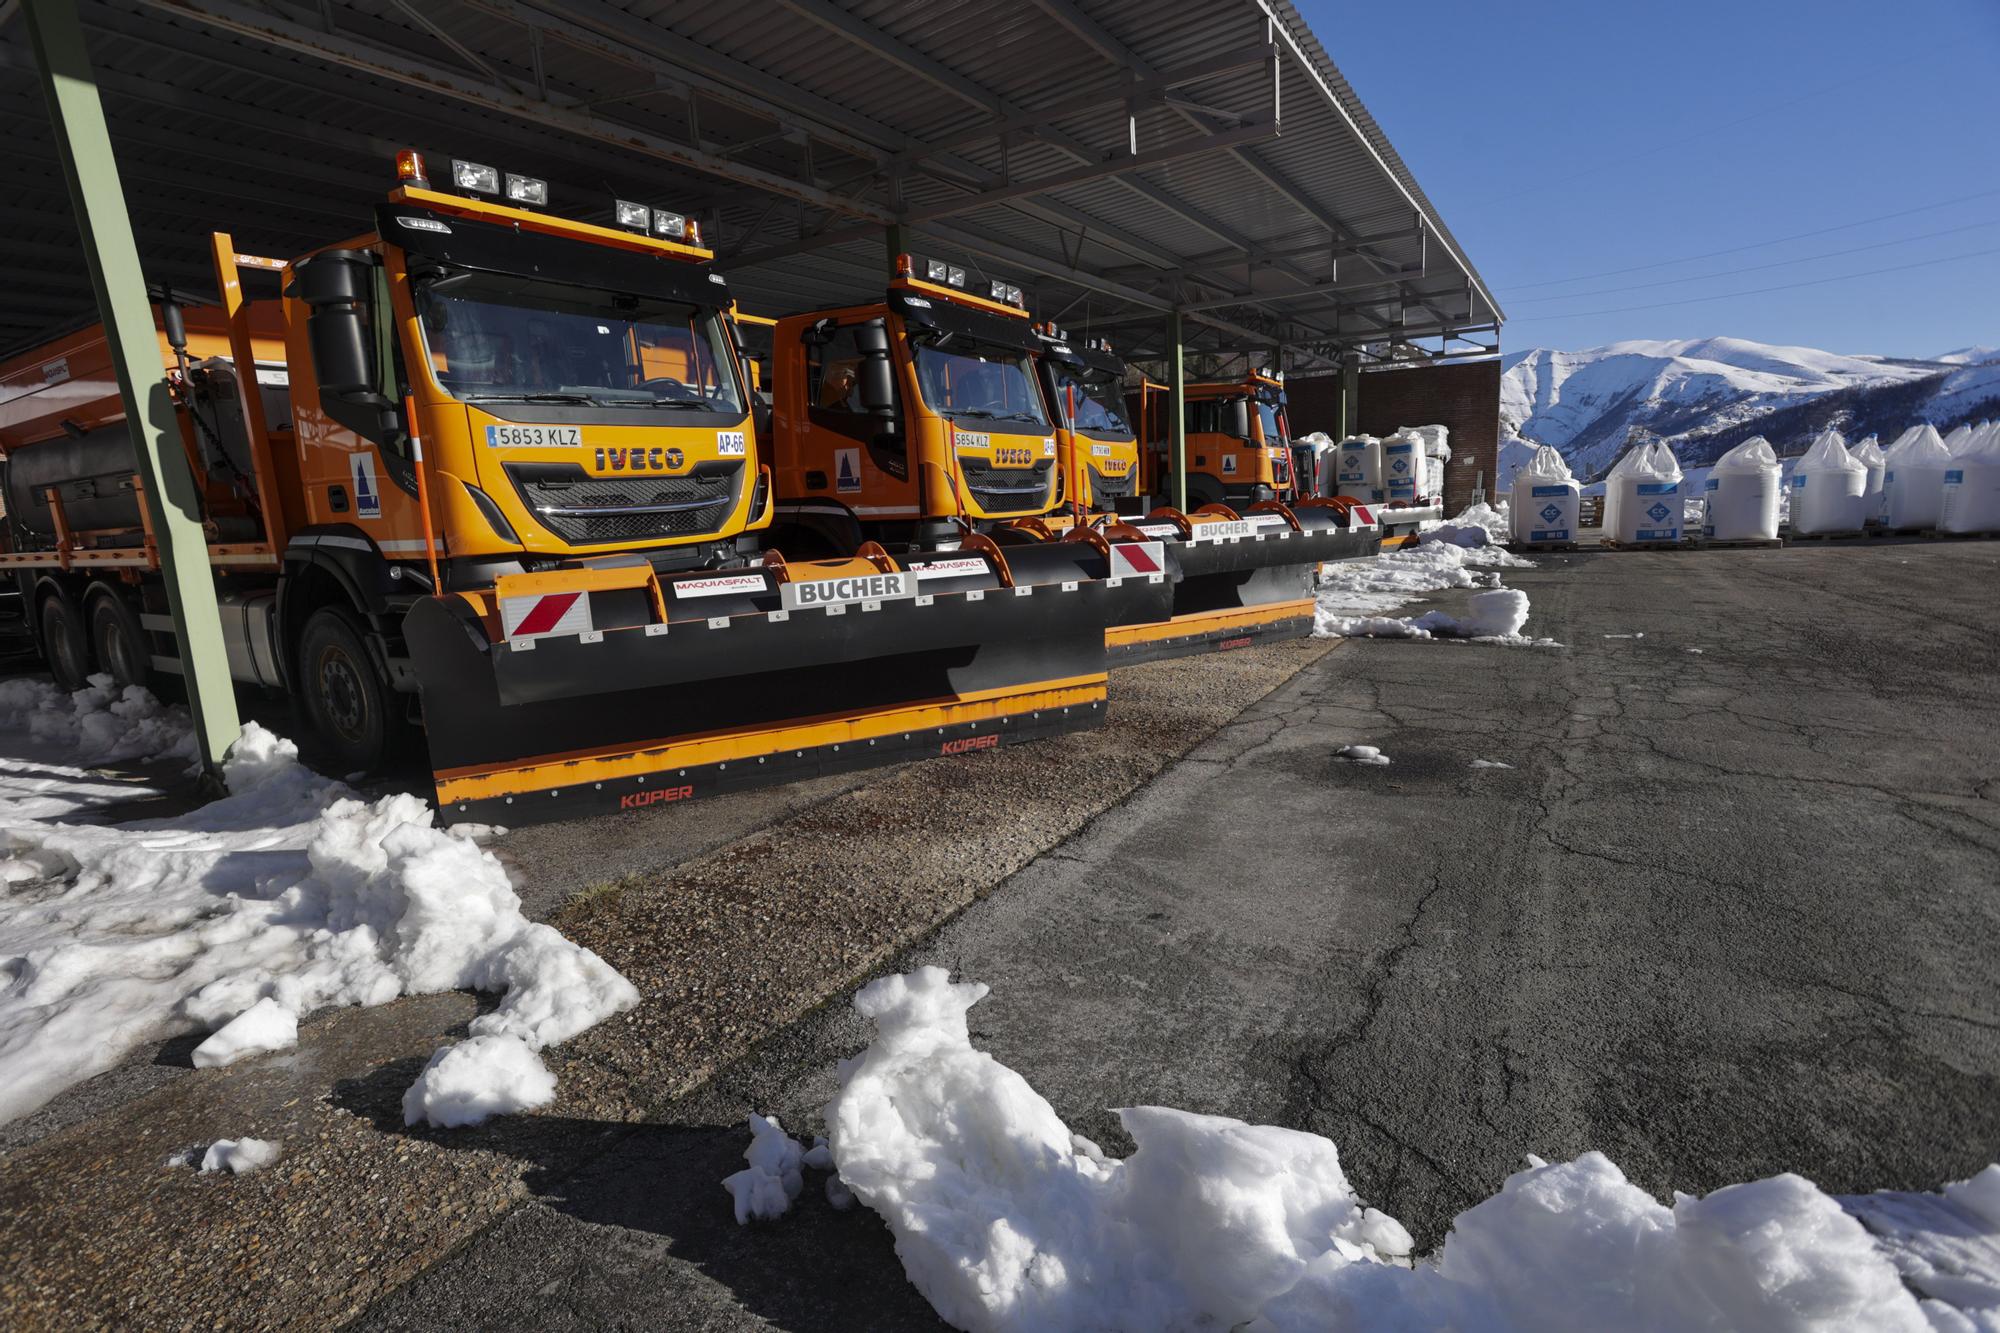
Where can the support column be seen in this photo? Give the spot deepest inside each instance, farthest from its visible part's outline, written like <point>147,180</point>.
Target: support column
<point>897,237</point>
<point>1176,413</point>
<point>172,504</point>
<point>1350,395</point>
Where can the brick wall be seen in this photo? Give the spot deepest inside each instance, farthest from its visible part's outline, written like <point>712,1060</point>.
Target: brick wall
<point>1462,396</point>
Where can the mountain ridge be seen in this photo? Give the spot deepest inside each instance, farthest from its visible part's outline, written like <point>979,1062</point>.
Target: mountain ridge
<point>1703,396</point>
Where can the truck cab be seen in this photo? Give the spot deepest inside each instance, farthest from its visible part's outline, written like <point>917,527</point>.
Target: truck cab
<point>1096,448</point>
<point>1239,447</point>
<point>909,420</point>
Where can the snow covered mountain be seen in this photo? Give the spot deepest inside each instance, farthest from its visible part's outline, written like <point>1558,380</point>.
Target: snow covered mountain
<point>1704,396</point>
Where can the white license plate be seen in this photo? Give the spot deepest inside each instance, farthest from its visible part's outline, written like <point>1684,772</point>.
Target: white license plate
<point>534,437</point>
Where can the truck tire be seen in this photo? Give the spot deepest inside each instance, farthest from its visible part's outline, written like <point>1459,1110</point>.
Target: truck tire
<point>354,715</point>
<point>65,642</point>
<point>119,642</point>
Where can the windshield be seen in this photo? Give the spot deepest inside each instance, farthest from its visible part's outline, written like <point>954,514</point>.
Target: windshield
<point>968,381</point>
<point>1100,399</point>
<point>1272,419</point>
<point>494,338</point>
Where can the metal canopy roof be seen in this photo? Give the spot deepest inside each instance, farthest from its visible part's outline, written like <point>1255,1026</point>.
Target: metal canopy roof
<point>1117,158</point>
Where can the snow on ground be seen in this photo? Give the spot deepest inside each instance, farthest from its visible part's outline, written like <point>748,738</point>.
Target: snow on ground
<point>285,896</point>
<point>53,741</point>
<point>239,1157</point>
<point>1490,763</point>
<point>764,1190</point>
<point>1361,754</point>
<point>480,1077</point>
<point>1463,553</point>
<point>1006,1220</point>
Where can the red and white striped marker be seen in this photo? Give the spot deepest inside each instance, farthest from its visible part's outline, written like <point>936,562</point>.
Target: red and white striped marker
<point>547,614</point>
<point>1129,558</point>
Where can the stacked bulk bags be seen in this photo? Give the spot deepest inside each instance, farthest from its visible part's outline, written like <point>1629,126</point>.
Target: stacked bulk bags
<point>1740,498</point>
<point>1869,454</point>
<point>1827,489</point>
<point>1437,452</point>
<point>1642,497</point>
<point>1545,500</point>
<point>1913,479</point>
<point>1972,485</point>
<point>1360,469</point>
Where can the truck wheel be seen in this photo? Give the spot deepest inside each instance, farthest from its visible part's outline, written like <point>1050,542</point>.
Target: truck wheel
<point>119,641</point>
<point>65,643</point>
<point>351,708</point>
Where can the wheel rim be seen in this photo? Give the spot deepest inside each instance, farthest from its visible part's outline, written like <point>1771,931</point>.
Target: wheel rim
<point>117,652</point>
<point>343,697</point>
<point>60,636</point>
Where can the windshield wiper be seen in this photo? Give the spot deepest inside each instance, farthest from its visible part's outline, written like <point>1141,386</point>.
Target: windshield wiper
<point>529,398</point>
<point>982,414</point>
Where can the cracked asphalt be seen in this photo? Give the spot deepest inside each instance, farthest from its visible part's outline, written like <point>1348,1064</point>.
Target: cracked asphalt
<point>1731,911</point>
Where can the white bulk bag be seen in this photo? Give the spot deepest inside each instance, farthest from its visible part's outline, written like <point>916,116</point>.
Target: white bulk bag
<point>1642,496</point>
<point>1955,443</point>
<point>1827,489</point>
<point>1360,469</point>
<point>1740,498</point>
<point>1913,479</point>
<point>1972,486</point>
<point>1402,464</point>
<point>1869,454</point>
<point>1545,500</point>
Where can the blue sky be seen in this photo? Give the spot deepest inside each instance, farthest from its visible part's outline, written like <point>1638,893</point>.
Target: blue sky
<point>1562,139</point>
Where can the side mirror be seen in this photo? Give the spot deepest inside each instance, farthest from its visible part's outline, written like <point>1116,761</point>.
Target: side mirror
<point>877,371</point>
<point>336,287</point>
<point>819,333</point>
<point>1237,420</point>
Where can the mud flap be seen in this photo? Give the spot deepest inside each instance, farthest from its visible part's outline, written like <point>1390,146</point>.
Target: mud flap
<point>630,718</point>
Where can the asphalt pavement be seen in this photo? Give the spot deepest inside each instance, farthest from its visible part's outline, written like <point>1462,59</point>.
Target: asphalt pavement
<point>1731,911</point>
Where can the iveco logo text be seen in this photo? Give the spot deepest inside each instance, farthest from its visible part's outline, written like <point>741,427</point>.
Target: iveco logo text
<point>640,460</point>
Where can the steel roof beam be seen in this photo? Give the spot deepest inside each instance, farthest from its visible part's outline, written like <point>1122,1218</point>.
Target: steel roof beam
<point>381,62</point>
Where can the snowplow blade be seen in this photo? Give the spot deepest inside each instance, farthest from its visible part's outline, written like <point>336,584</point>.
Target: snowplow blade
<point>1245,579</point>
<point>672,690</point>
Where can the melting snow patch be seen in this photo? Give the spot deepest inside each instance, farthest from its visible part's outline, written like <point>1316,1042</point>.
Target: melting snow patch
<point>1489,763</point>
<point>239,1156</point>
<point>1362,754</point>
<point>1354,594</point>
<point>1005,1220</point>
<point>264,1026</point>
<point>477,1078</point>
<point>284,890</point>
<point>1693,650</point>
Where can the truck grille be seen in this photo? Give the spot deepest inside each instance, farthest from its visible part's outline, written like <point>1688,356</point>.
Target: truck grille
<point>586,511</point>
<point>1008,488</point>
<point>1111,488</point>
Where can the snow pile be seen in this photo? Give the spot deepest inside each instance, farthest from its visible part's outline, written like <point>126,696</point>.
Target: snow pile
<point>1489,763</point>
<point>1479,525</point>
<point>100,724</point>
<point>764,1190</point>
<point>1361,587</point>
<point>1361,754</point>
<point>239,1157</point>
<point>483,1076</point>
<point>1942,1244</point>
<point>1006,1220</point>
<point>285,890</point>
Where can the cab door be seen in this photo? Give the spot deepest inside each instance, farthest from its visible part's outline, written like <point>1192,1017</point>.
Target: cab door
<point>854,449</point>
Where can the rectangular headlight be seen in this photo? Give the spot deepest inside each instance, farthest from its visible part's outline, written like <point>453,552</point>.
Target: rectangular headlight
<point>637,216</point>
<point>934,270</point>
<point>999,290</point>
<point>1014,294</point>
<point>527,190</point>
<point>475,177</point>
<point>669,224</point>
<point>955,276</point>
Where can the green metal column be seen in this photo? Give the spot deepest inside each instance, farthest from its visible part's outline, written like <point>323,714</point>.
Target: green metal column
<point>1177,410</point>
<point>77,116</point>
<point>1350,396</point>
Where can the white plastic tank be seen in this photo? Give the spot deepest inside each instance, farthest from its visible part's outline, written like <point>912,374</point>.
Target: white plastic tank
<point>1828,486</point>
<point>1913,480</point>
<point>1642,496</point>
<point>1868,453</point>
<point>1545,500</point>
<point>1740,497</point>
<point>1402,465</point>
<point>1360,468</point>
<point>1972,485</point>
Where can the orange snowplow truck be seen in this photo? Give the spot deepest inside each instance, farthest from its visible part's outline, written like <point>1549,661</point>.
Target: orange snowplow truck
<point>1239,447</point>
<point>493,472</point>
